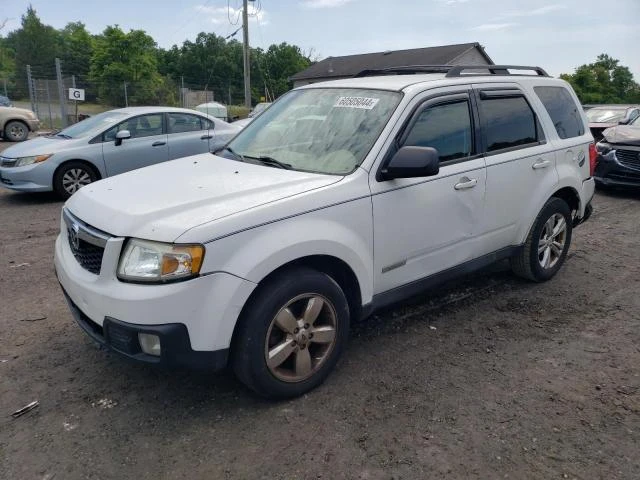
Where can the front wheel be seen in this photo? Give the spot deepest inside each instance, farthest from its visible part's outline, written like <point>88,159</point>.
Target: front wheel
<point>291,334</point>
<point>71,177</point>
<point>16,131</point>
<point>547,245</point>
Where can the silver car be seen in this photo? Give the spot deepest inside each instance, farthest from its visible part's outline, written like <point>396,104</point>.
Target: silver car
<point>108,144</point>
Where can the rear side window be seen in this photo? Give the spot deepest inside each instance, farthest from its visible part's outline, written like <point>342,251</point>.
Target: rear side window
<point>563,111</point>
<point>184,122</point>
<point>445,127</point>
<point>509,122</point>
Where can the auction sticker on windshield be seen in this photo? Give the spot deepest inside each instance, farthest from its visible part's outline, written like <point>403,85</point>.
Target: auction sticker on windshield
<point>365,103</point>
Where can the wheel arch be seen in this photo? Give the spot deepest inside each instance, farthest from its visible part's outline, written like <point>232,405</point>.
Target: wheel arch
<point>95,169</point>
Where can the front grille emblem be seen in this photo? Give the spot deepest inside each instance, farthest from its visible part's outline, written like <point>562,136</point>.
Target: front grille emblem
<point>74,241</point>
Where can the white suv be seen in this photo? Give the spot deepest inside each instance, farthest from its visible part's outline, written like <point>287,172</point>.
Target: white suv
<point>339,199</point>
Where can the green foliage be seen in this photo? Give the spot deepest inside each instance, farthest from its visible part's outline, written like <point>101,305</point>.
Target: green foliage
<point>604,81</point>
<point>76,49</point>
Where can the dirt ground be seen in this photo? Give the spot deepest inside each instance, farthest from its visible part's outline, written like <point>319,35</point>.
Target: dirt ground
<point>490,377</point>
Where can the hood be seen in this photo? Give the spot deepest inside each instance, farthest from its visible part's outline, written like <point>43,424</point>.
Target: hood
<point>623,134</point>
<point>22,111</point>
<point>41,146</point>
<point>163,201</point>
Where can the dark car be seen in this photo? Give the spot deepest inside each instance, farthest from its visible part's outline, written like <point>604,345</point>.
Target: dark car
<point>602,117</point>
<point>618,161</point>
<point>5,102</point>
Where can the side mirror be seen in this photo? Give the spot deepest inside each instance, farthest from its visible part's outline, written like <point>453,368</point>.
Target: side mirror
<point>412,162</point>
<point>122,135</point>
<point>623,122</point>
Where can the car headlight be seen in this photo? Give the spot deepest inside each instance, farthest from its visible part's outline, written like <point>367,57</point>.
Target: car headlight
<point>155,262</point>
<point>603,148</point>
<point>23,161</point>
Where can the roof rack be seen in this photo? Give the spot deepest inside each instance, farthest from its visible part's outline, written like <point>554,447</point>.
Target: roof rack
<point>452,70</point>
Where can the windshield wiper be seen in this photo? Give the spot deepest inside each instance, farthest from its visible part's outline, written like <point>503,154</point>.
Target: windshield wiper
<point>63,135</point>
<point>233,152</point>
<point>272,162</point>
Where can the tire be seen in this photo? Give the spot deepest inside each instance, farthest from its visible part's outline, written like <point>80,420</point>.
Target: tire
<point>72,176</point>
<point>16,131</point>
<point>303,347</point>
<point>535,261</point>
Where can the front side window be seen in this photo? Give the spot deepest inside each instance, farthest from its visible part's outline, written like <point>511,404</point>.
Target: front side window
<point>324,130</point>
<point>563,111</point>
<point>184,122</point>
<point>509,122</point>
<point>446,127</point>
<point>140,126</point>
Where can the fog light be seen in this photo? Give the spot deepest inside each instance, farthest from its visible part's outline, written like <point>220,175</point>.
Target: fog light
<point>150,344</point>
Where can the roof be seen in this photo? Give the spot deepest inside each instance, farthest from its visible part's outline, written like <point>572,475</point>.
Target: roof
<point>350,65</point>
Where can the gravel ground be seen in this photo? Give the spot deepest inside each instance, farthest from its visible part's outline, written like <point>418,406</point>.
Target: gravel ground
<point>489,377</point>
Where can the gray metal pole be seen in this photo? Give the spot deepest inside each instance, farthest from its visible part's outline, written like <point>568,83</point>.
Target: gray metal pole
<point>75,102</point>
<point>182,92</point>
<point>126,99</point>
<point>245,50</point>
<point>49,103</point>
<point>30,85</point>
<point>5,87</point>
<point>63,101</point>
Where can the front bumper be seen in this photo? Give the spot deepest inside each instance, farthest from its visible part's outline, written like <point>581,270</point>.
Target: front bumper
<point>31,178</point>
<point>122,337</point>
<point>196,317</point>
<point>611,172</point>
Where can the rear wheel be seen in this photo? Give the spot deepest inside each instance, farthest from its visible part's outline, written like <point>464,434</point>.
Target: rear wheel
<point>16,131</point>
<point>71,177</point>
<point>292,334</point>
<point>547,245</point>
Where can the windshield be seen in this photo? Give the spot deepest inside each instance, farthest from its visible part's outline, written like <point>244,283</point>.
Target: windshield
<point>88,125</point>
<point>636,122</point>
<point>324,130</point>
<point>606,115</point>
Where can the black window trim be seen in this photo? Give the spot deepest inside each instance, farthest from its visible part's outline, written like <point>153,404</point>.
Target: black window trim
<point>202,118</point>
<point>492,93</point>
<point>442,98</point>
<point>100,137</point>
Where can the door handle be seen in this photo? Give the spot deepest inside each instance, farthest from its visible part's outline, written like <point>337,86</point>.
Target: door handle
<point>158,144</point>
<point>206,137</point>
<point>465,183</point>
<point>581,159</point>
<point>541,164</point>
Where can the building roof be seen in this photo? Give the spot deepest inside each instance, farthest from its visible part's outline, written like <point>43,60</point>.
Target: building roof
<point>350,65</point>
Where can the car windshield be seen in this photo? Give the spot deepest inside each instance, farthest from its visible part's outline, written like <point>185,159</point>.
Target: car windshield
<point>90,124</point>
<point>636,122</point>
<point>605,115</point>
<point>324,130</point>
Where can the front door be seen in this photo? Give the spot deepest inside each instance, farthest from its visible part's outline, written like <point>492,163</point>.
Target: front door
<point>426,225</point>
<point>147,145</point>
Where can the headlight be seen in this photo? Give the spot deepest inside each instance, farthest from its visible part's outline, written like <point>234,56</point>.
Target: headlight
<point>155,262</point>
<point>23,161</point>
<point>603,148</point>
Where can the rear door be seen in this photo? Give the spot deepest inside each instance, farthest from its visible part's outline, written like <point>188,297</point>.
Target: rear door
<point>189,134</point>
<point>147,145</point>
<point>520,164</point>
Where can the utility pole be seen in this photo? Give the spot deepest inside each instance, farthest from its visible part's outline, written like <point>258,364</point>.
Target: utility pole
<point>63,101</point>
<point>126,99</point>
<point>30,85</point>
<point>245,50</point>
<point>182,92</point>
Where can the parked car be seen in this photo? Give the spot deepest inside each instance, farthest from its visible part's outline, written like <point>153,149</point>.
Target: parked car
<point>260,256</point>
<point>259,108</point>
<point>602,117</point>
<point>5,102</point>
<point>618,162</point>
<point>109,144</point>
<point>16,123</point>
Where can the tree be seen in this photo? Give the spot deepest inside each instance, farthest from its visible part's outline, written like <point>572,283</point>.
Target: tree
<point>130,58</point>
<point>33,44</point>
<point>604,81</point>
<point>76,49</point>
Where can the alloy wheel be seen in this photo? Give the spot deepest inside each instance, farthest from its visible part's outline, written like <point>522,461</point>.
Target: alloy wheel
<point>74,179</point>
<point>552,241</point>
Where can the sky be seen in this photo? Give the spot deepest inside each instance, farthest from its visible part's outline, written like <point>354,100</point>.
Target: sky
<point>556,35</point>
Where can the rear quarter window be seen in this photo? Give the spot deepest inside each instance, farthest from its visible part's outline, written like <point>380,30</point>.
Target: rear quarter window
<point>563,111</point>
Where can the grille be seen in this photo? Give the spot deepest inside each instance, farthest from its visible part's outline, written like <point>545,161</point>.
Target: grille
<point>628,157</point>
<point>88,256</point>
<point>7,162</point>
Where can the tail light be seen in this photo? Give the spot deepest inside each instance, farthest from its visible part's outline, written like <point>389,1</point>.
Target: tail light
<point>593,155</point>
